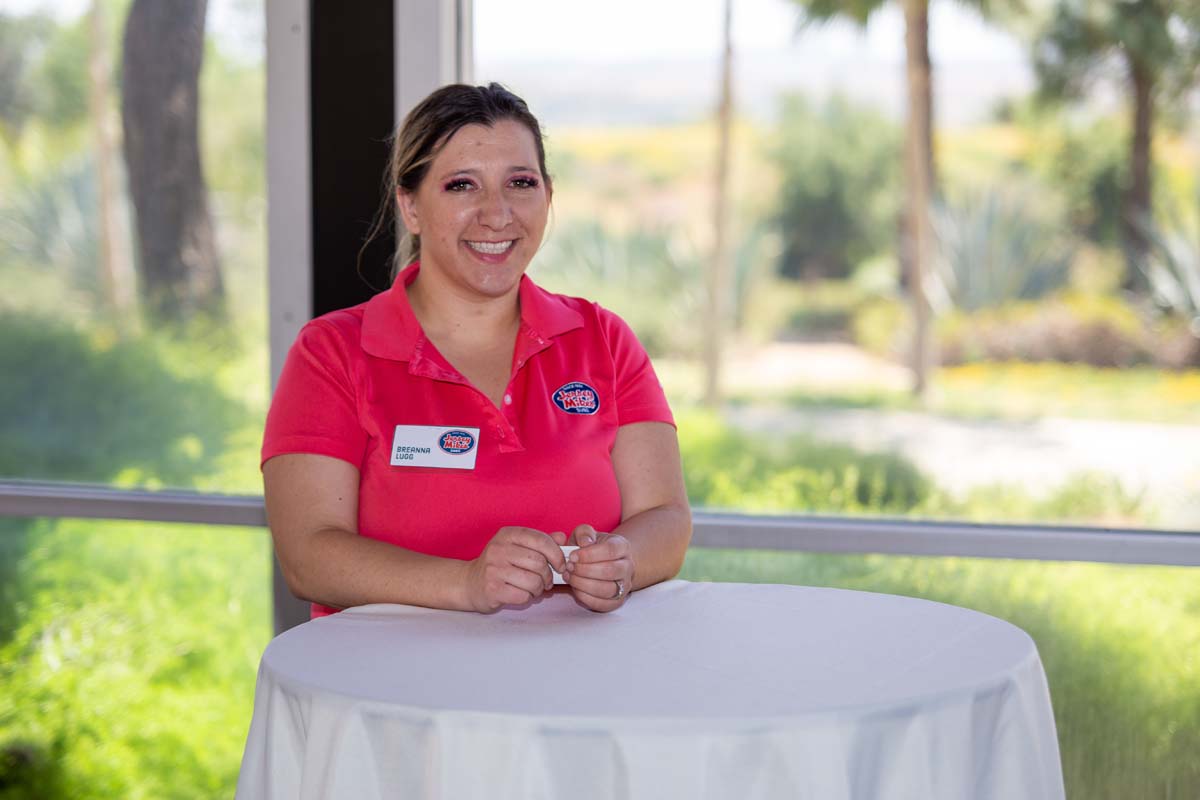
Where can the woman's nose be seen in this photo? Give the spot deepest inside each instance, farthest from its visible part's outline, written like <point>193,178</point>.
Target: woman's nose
<point>495,212</point>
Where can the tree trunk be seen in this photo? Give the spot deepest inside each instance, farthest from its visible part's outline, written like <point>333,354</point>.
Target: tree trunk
<point>177,254</point>
<point>919,178</point>
<point>116,272</point>
<point>1139,207</point>
<point>719,269</point>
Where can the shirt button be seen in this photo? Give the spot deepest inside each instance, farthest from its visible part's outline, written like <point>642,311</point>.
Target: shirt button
<point>508,399</point>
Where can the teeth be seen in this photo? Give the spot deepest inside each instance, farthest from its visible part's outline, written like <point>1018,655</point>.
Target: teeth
<point>491,248</point>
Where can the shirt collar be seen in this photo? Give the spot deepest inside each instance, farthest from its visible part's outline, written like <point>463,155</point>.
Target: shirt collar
<point>391,330</point>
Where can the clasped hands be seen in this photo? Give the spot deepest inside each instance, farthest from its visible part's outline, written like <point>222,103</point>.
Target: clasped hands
<point>515,568</point>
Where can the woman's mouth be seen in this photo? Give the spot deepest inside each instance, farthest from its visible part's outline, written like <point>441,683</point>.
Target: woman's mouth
<point>491,248</point>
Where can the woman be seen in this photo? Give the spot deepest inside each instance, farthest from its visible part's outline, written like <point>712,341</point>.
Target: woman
<point>435,445</point>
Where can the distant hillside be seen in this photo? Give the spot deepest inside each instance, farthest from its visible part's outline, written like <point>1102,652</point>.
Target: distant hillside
<point>578,93</point>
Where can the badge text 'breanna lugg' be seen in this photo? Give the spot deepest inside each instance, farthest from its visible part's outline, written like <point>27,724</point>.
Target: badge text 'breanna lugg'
<point>405,453</point>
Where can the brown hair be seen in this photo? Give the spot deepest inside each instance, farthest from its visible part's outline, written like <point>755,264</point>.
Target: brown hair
<point>421,137</point>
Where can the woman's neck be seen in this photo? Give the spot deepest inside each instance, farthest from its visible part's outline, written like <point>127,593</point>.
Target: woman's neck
<point>449,315</point>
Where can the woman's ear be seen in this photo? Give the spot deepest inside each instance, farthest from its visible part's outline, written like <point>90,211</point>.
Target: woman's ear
<point>406,202</point>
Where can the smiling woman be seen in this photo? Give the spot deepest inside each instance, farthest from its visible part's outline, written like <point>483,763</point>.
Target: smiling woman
<point>421,448</point>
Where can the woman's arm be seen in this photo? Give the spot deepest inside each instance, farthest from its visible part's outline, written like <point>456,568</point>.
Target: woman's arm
<point>656,523</point>
<point>312,511</point>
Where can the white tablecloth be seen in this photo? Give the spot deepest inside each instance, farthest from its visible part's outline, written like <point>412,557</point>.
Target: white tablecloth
<point>691,690</point>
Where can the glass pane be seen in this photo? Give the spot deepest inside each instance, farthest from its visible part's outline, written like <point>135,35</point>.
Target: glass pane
<point>129,653</point>
<point>1118,643</point>
<point>1062,273</point>
<point>132,250</point>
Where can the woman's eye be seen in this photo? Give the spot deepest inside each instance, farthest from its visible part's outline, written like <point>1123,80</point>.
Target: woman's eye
<point>525,183</point>
<point>460,185</point>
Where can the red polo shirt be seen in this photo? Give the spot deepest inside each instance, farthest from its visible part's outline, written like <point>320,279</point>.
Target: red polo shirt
<point>542,459</point>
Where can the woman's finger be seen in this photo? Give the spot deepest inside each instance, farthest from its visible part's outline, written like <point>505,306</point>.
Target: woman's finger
<point>620,569</point>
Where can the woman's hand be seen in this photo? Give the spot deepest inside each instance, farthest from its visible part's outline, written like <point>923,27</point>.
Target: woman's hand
<point>514,568</point>
<point>600,572</point>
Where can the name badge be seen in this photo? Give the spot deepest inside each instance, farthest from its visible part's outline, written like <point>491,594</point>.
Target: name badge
<point>439,446</point>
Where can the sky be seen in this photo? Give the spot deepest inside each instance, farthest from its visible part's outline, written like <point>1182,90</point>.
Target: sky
<point>656,60</point>
<point>630,30</point>
<point>628,61</point>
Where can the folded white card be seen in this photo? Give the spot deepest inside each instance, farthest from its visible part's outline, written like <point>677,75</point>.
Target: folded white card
<point>567,549</point>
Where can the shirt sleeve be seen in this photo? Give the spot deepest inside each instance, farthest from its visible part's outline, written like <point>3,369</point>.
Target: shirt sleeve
<point>639,394</point>
<point>315,409</point>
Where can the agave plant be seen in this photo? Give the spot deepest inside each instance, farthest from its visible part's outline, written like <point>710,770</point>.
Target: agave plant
<point>51,223</point>
<point>997,245</point>
<point>1172,263</point>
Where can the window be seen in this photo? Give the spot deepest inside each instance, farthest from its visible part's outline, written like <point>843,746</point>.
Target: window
<point>132,260</point>
<point>1065,381</point>
<point>1064,387</point>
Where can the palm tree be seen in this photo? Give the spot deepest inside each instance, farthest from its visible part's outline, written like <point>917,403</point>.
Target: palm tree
<point>1156,45</point>
<point>920,166</point>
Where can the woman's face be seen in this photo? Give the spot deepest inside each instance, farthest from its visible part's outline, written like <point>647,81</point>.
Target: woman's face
<point>481,209</point>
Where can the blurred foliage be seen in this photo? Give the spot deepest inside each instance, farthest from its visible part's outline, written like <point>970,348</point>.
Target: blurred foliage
<point>49,222</point>
<point>1100,331</point>
<point>1118,642</point>
<point>131,673</point>
<point>22,43</point>
<point>998,244</point>
<point>1016,390</point>
<point>1172,265</point>
<point>62,78</point>
<point>839,194</point>
<point>1081,39</point>
<point>1012,390</point>
<point>818,310</point>
<point>729,469</point>
<point>1064,327</point>
<point>78,407</point>
<point>1088,164</point>
<point>652,278</point>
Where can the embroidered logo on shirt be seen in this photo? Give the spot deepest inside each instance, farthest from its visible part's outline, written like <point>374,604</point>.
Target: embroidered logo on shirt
<point>456,442</point>
<point>576,398</point>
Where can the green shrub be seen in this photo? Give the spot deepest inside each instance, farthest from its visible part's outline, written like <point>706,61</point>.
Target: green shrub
<point>839,179</point>
<point>883,325</point>
<point>724,468</point>
<point>1095,330</point>
<point>650,277</point>
<point>823,310</point>
<point>131,673</point>
<point>1067,328</point>
<point>73,407</point>
<point>728,469</point>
